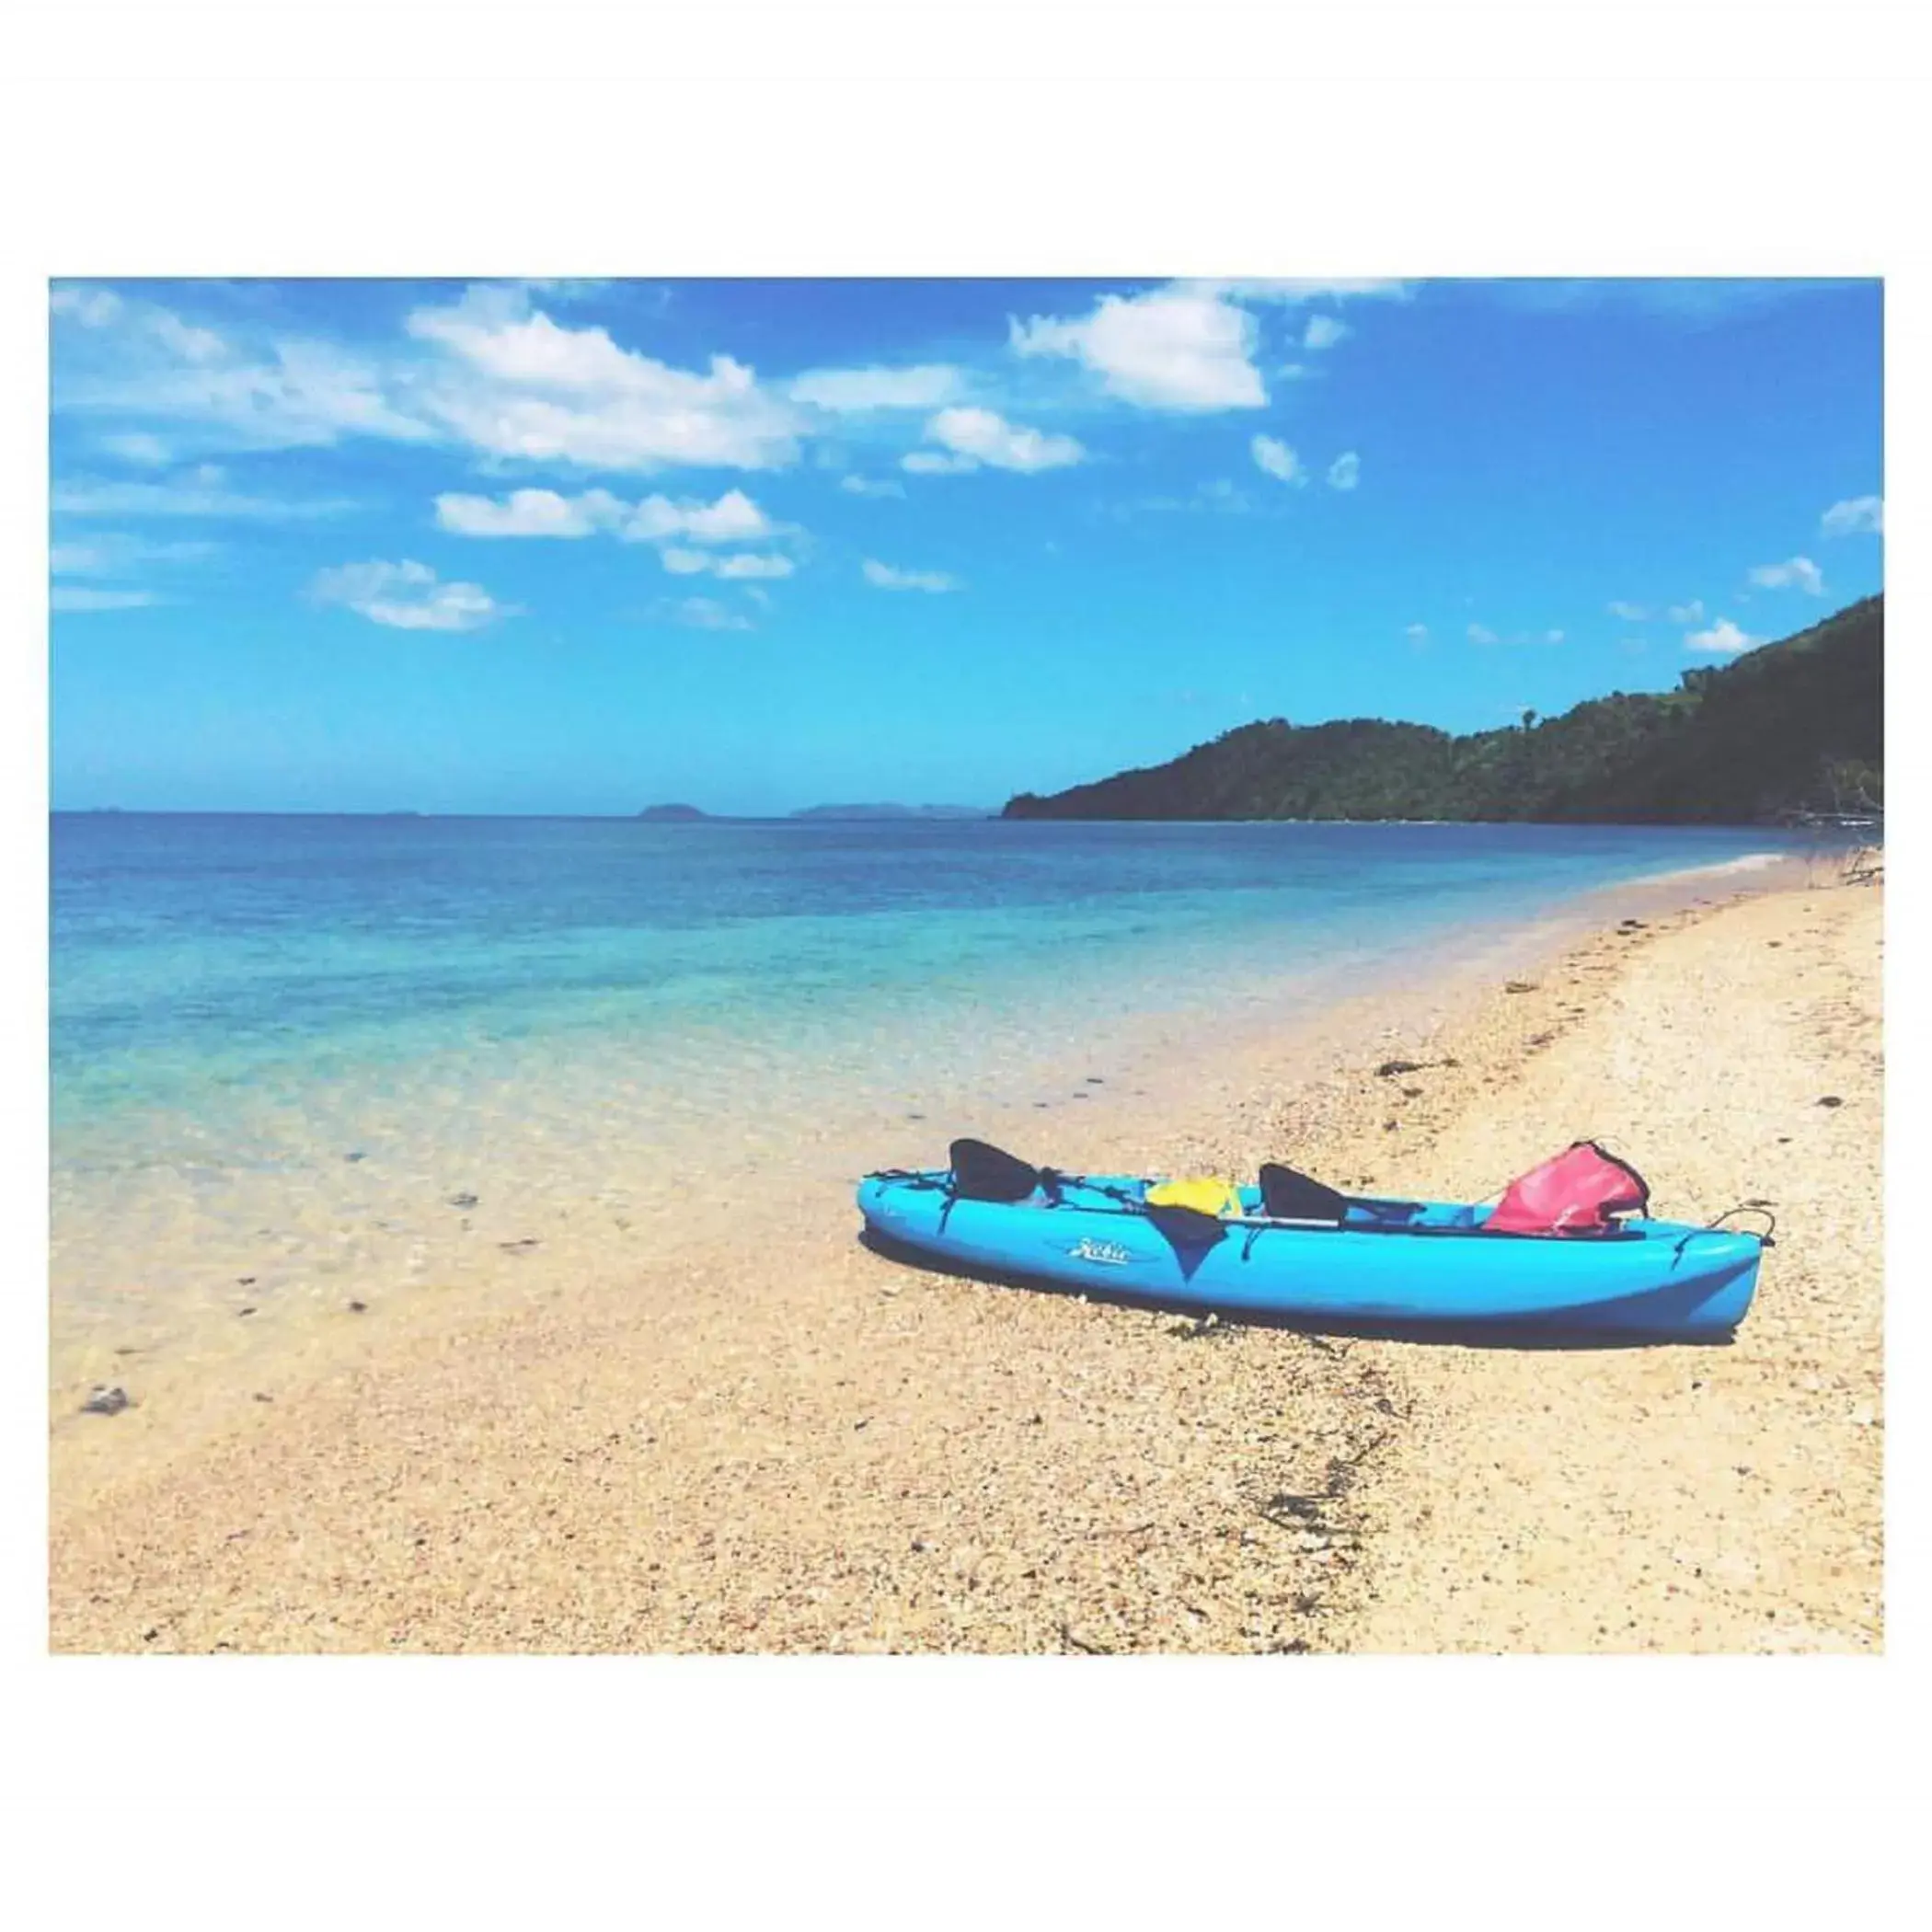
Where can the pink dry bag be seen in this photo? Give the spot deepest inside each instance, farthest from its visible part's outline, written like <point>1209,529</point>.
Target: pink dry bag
<point>1576,1193</point>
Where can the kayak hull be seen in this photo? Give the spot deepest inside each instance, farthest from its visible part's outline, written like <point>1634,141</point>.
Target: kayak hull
<point>1392,1264</point>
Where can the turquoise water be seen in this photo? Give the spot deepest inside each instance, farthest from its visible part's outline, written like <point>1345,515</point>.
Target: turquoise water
<point>281,1045</point>
<point>193,955</point>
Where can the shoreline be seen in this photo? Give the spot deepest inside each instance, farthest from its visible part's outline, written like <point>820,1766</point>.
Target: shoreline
<point>249,1291</point>
<point>862,1456</point>
<point>1685,1500</point>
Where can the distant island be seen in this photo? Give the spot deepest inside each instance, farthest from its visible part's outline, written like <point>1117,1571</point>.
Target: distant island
<point>690,814</point>
<point>893,812</point>
<point>1792,730</point>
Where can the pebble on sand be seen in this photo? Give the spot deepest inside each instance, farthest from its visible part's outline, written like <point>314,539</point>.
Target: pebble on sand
<point>105,1400</point>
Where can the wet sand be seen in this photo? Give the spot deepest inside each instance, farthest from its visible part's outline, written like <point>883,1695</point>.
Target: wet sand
<point>774,1440</point>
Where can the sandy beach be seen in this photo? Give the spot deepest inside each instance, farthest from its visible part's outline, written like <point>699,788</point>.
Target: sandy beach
<point>797,1445</point>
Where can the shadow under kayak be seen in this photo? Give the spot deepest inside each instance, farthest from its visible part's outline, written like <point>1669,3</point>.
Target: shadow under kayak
<point>1389,1263</point>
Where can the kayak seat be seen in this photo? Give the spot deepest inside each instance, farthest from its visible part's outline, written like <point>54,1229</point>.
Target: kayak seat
<point>983,1172</point>
<point>1287,1195</point>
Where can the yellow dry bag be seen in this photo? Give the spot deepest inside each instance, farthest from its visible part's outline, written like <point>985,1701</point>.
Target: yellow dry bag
<point>1207,1194</point>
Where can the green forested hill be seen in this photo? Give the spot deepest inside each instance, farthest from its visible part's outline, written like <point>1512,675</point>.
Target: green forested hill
<point>1791,726</point>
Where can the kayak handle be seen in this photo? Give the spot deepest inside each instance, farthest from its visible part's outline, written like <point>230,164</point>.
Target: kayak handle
<point>1750,1207</point>
<point>1717,1227</point>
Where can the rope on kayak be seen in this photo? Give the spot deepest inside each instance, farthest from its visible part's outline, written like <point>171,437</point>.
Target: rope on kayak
<point>1717,1227</point>
<point>1750,1207</point>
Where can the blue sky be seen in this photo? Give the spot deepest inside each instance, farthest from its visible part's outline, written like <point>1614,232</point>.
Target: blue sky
<point>558,546</point>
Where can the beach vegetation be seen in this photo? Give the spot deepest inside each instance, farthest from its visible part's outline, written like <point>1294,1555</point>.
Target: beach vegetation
<point>1792,729</point>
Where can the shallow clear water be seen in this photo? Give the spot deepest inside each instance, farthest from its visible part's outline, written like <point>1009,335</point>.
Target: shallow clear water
<point>283,1043</point>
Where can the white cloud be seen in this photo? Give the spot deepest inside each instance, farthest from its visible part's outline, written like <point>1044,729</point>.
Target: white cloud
<point>925,387</point>
<point>92,308</point>
<point>736,567</point>
<point>408,596</point>
<point>708,614</point>
<point>981,436</point>
<point>1417,633</point>
<point>1799,572</point>
<point>1323,331</point>
<point>858,486</point>
<point>489,370</point>
<point>497,332</point>
<point>734,518</point>
<point>1854,514</point>
<point>524,385</point>
<point>1175,348</point>
<point>137,357</point>
<point>80,597</point>
<point>109,555</point>
<point>1629,612</point>
<point>1685,612</point>
<point>138,446</point>
<point>886,577</point>
<point>191,343</point>
<point>1273,456</point>
<point>932,463</point>
<point>1345,472</point>
<point>198,492</point>
<point>1722,636</point>
<point>531,513</point>
<point>493,372</point>
<point>1481,634</point>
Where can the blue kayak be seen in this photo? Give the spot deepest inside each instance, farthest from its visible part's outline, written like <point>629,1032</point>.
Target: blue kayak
<point>1387,1263</point>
